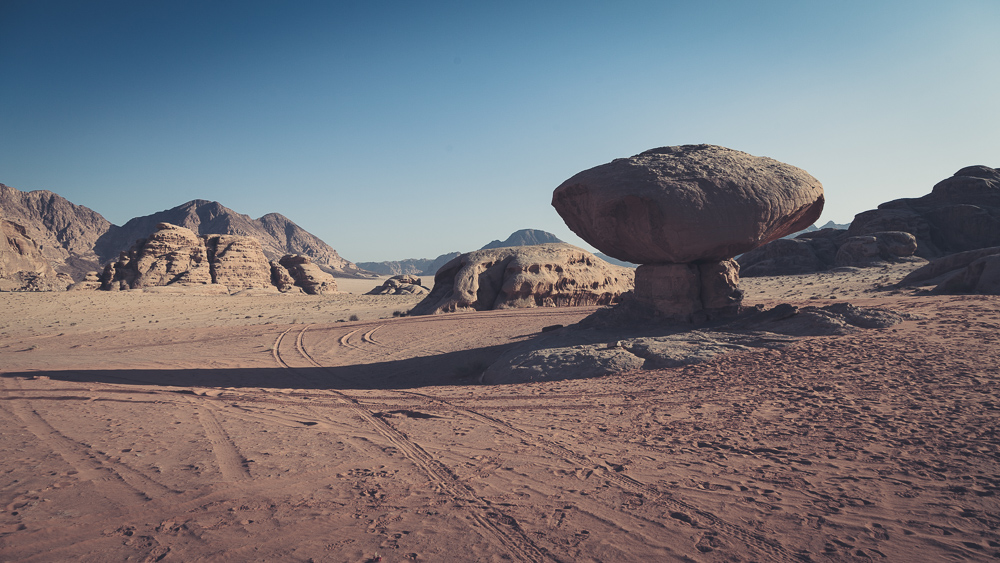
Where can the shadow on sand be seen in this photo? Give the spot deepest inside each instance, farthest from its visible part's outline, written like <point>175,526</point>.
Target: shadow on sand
<point>452,368</point>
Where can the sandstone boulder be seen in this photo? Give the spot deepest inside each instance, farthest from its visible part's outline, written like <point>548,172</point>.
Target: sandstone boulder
<point>23,267</point>
<point>400,285</point>
<point>238,262</point>
<point>174,255</point>
<point>824,249</point>
<point>548,275</point>
<point>307,275</point>
<point>692,203</point>
<point>961,213</point>
<point>973,271</point>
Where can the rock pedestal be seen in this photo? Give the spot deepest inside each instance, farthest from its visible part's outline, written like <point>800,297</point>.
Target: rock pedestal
<point>684,213</point>
<point>689,291</point>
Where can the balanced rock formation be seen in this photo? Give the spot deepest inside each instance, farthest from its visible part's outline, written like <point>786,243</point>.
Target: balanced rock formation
<point>307,275</point>
<point>961,213</point>
<point>23,267</point>
<point>401,285</point>
<point>973,271</point>
<point>175,255</point>
<point>548,275</point>
<point>821,250</point>
<point>683,213</point>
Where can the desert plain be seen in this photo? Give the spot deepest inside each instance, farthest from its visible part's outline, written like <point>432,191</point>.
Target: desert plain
<point>154,426</point>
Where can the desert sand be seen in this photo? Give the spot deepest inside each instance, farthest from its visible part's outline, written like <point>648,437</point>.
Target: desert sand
<point>162,427</point>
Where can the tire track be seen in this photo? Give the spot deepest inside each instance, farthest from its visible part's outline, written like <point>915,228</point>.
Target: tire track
<point>232,464</point>
<point>774,549</point>
<point>504,528</point>
<point>113,480</point>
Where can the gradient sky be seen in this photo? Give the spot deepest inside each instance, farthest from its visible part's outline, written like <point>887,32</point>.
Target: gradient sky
<point>408,129</point>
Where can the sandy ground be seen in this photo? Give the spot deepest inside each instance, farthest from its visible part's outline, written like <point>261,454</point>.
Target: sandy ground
<point>152,427</point>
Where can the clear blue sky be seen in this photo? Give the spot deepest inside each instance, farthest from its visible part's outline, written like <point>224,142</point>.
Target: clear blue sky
<point>408,129</point>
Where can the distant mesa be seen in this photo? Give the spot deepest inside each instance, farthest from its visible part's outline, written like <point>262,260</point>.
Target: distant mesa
<point>429,266</point>
<point>524,237</point>
<point>176,256</point>
<point>404,284</point>
<point>683,213</point>
<point>547,275</point>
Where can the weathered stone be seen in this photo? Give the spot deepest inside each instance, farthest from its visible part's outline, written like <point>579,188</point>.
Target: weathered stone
<point>689,292</point>
<point>720,292</point>
<point>693,203</point>
<point>961,213</point>
<point>281,279</point>
<point>238,262</point>
<point>549,275</point>
<point>307,275</point>
<point>827,248</point>
<point>973,271</point>
<point>400,285</point>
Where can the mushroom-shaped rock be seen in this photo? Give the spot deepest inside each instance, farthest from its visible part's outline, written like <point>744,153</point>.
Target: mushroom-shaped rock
<point>692,203</point>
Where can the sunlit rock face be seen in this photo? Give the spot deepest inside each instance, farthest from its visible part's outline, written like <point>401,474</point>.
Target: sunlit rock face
<point>683,213</point>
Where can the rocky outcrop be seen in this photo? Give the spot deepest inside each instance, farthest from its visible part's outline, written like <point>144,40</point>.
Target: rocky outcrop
<point>550,275</point>
<point>401,285</point>
<point>684,213</point>
<point>174,255</point>
<point>23,267</point>
<point>76,240</point>
<point>961,213</point>
<point>66,234</point>
<point>595,348</point>
<point>307,275</point>
<point>973,271</point>
<point>276,234</point>
<point>821,250</point>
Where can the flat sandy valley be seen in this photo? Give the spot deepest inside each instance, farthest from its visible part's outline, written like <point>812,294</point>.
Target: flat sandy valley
<point>159,427</point>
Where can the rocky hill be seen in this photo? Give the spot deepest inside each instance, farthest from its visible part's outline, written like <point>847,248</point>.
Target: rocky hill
<point>66,233</point>
<point>277,234</point>
<point>524,237</point>
<point>75,240</point>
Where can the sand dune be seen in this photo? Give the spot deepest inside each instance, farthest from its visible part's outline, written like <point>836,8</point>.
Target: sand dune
<point>152,427</point>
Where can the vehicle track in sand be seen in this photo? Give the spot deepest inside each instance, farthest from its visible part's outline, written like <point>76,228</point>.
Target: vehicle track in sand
<point>502,527</point>
<point>677,508</point>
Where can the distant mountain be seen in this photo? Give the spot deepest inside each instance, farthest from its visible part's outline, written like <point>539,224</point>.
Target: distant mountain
<point>430,266</point>
<point>524,237</point>
<point>75,239</point>
<point>412,266</point>
<point>277,234</point>
<point>66,233</point>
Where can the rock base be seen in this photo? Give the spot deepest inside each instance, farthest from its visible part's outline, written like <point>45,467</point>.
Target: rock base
<point>689,292</point>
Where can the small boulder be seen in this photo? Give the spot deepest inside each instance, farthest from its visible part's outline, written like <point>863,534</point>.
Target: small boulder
<point>404,284</point>
<point>307,275</point>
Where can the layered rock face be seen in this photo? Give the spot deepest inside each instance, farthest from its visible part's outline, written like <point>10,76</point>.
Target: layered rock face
<point>961,213</point>
<point>174,255</point>
<point>307,275</point>
<point>400,285</point>
<point>821,250</point>
<point>684,213</point>
<point>23,267</point>
<point>549,275</point>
